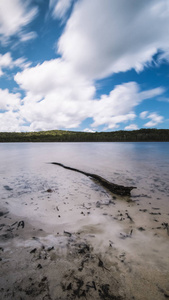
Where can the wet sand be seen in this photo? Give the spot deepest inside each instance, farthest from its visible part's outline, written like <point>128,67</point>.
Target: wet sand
<point>73,239</point>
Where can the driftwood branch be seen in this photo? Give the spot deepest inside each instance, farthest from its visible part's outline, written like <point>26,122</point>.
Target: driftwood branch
<point>112,187</point>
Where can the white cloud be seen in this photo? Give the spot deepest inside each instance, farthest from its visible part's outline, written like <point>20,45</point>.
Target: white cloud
<point>89,130</point>
<point>9,101</point>
<point>165,99</point>
<point>28,36</point>
<point>14,15</point>
<point>60,7</point>
<point>11,121</point>
<point>131,127</point>
<point>143,115</point>
<point>155,119</point>
<point>152,93</point>
<point>105,37</point>
<point>6,62</point>
<point>55,76</point>
<point>21,63</point>
<point>164,56</point>
<point>57,96</point>
<point>100,38</point>
<point>119,105</point>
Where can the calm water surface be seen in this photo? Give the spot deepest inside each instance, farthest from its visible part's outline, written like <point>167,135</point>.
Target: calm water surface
<point>24,166</point>
<point>26,174</point>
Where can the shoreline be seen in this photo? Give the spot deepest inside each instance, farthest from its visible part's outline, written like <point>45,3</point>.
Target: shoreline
<point>140,135</point>
<point>79,241</point>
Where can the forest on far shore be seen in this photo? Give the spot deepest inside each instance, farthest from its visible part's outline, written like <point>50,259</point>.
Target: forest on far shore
<point>141,135</point>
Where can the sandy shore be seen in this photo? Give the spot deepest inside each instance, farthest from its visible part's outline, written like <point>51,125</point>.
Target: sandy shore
<point>75,240</point>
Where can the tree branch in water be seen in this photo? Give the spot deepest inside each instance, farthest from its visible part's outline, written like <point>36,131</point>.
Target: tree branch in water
<point>112,187</point>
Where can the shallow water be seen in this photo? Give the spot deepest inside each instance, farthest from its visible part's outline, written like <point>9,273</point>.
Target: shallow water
<point>145,165</point>
<point>79,205</point>
<point>26,175</point>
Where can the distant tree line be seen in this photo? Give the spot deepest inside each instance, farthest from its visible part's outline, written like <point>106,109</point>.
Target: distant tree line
<point>142,135</point>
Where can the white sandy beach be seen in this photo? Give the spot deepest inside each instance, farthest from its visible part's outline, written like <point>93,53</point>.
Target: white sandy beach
<point>74,239</point>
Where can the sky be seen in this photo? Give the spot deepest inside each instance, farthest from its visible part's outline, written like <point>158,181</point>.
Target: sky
<point>84,65</point>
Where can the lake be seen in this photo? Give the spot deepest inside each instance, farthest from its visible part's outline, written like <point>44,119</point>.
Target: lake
<point>44,206</point>
<point>26,173</point>
<point>144,165</point>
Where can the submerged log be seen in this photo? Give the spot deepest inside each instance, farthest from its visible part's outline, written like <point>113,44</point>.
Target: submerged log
<point>112,187</point>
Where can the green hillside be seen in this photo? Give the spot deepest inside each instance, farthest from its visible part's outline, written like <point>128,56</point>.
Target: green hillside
<point>147,135</point>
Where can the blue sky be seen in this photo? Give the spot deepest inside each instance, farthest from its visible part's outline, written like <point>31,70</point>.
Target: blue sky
<point>84,65</point>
